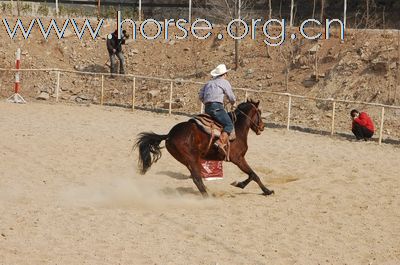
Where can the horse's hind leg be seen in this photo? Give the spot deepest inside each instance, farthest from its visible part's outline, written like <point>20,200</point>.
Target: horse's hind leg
<point>242,164</point>
<point>196,176</point>
<point>184,156</point>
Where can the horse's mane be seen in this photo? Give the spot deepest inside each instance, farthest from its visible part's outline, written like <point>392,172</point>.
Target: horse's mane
<point>242,107</point>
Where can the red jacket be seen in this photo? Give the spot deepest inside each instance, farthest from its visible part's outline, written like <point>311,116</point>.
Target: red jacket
<point>365,121</point>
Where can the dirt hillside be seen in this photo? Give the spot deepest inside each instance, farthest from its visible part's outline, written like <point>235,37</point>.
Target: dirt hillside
<point>363,68</point>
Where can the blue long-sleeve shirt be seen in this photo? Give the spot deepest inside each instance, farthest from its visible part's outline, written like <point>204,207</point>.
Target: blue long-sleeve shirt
<point>215,89</point>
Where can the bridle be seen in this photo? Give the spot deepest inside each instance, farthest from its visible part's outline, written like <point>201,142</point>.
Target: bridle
<point>257,126</point>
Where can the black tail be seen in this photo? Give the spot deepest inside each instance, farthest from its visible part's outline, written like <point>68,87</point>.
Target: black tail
<point>148,143</point>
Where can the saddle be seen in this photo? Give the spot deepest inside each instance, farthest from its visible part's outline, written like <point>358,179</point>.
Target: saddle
<point>210,126</point>
<point>207,124</point>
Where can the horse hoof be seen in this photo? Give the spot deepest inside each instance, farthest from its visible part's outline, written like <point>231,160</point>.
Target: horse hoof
<point>237,184</point>
<point>270,192</point>
<point>205,196</point>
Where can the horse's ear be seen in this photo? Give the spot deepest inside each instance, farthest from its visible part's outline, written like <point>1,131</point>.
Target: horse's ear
<point>257,103</point>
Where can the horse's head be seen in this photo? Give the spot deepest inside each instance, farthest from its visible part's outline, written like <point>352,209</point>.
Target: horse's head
<point>253,113</point>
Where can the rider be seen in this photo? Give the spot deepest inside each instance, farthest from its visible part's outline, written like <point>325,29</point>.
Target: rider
<point>212,95</point>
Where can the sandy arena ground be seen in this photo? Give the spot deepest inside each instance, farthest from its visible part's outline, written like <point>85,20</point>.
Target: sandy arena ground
<point>70,194</point>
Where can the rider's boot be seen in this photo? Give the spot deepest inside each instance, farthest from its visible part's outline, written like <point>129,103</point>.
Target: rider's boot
<point>222,142</point>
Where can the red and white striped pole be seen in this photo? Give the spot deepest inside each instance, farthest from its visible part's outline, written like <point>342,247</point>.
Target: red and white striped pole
<point>17,67</point>
<point>17,98</point>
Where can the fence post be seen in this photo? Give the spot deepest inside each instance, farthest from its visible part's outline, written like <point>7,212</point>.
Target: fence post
<point>102,90</point>
<point>57,10</point>
<point>170,99</point>
<point>57,85</point>
<point>381,127</point>
<point>344,14</point>
<point>140,10</point>
<point>190,11</point>
<point>333,117</point>
<point>133,93</point>
<point>289,109</point>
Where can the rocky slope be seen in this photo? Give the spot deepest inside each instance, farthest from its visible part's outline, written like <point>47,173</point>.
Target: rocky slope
<point>363,68</point>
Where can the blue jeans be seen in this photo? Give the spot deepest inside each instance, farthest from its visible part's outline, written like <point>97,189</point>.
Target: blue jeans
<point>113,62</point>
<point>217,111</point>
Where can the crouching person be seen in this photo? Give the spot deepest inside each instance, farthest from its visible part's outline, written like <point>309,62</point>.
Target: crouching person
<point>362,126</point>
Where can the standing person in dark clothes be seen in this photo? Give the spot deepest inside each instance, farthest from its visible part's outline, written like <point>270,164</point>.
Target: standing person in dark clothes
<point>114,48</point>
<point>362,127</point>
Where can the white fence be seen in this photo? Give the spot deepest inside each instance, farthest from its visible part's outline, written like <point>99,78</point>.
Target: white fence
<point>245,90</point>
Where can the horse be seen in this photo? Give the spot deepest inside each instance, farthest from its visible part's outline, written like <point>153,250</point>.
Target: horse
<point>187,143</point>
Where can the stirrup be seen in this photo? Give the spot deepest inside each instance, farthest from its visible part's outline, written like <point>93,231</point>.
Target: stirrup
<point>221,147</point>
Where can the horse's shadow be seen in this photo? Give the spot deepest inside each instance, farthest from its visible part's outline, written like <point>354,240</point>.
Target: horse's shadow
<point>180,190</point>
<point>192,191</point>
<point>174,175</point>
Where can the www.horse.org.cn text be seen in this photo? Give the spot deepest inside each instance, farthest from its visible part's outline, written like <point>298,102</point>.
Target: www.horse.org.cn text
<point>200,29</point>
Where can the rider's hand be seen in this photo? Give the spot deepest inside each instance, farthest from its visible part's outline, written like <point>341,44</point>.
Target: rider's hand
<point>114,50</point>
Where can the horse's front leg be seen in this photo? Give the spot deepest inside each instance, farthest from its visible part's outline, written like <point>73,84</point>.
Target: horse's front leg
<point>241,184</point>
<point>242,164</point>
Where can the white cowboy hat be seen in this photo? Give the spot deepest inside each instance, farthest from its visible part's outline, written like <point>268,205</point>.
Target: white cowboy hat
<point>219,70</point>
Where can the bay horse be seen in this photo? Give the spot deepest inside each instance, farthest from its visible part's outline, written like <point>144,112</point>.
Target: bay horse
<point>187,143</point>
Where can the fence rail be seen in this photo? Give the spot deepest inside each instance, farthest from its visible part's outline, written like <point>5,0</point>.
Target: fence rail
<point>246,90</point>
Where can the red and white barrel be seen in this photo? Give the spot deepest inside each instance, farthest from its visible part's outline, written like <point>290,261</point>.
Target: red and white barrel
<point>17,67</point>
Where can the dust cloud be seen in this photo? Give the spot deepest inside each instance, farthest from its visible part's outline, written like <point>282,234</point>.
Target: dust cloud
<point>124,192</point>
